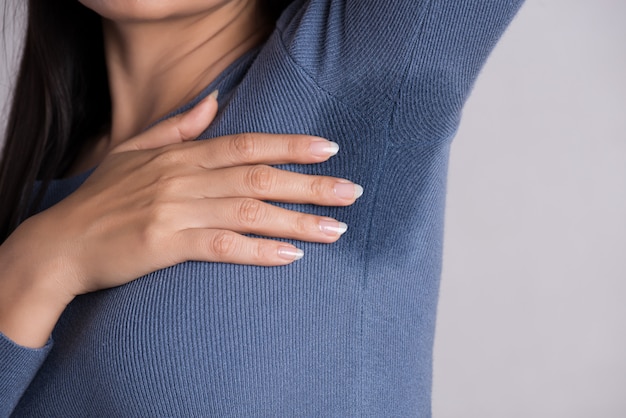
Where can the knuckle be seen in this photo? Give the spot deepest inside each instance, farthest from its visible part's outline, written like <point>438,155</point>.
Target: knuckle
<point>249,211</point>
<point>301,225</point>
<point>259,178</point>
<point>167,156</point>
<point>161,216</point>
<point>223,244</point>
<point>175,125</point>
<point>294,147</point>
<point>152,233</point>
<point>244,147</point>
<point>261,251</point>
<point>318,187</point>
<point>168,186</point>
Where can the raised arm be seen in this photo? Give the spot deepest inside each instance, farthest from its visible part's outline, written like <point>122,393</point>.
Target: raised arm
<point>411,61</point>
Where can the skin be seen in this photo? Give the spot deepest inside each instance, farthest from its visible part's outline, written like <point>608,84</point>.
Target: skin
<point>158,198</point>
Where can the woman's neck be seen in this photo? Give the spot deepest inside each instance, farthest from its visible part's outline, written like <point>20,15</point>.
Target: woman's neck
<point>155,67</point>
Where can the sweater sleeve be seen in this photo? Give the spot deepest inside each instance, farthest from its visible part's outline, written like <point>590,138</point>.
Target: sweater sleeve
<point>18,366</point>
<point>419,58</point>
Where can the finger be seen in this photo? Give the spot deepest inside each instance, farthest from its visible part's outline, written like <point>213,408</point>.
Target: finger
<point>253,216</point>
<point>223,246</point>
<point>260,148</point>
<point>268,183</point>
<point>180,128</point>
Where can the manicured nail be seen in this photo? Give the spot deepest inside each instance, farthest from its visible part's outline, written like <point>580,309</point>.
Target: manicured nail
<point>214,94</point>
<point>324,148</point>
<point>290,253</point>
<point>332,227</point>
<point>348,190</point>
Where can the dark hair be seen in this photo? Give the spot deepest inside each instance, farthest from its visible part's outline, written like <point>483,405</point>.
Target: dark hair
<point>274,8</point>
<point>61,99</point>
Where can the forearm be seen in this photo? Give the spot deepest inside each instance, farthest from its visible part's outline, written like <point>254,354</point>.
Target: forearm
<point>31,295</point>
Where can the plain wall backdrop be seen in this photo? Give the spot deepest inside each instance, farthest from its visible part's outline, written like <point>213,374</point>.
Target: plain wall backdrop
<point>532,315</point>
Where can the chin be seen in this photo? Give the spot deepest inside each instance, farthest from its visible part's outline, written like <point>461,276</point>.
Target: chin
<point>150,10</point>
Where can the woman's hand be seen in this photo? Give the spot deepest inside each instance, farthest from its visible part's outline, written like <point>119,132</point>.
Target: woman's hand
<point>160,199</point>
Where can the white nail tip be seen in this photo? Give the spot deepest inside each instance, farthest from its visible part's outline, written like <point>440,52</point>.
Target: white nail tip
<point>333,227</point>
<point>332,148</point>
<point>290,253</point>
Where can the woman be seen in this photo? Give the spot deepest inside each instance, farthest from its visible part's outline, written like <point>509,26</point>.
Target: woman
<point>241,330</point>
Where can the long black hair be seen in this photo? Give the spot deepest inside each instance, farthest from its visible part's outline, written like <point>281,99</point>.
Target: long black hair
<point>61,99</point>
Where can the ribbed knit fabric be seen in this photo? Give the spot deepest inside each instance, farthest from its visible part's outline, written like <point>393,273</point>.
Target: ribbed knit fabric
<point>346,331</point>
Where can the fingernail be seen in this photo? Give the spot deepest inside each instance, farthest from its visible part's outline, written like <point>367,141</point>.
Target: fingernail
<point>290,253</point>
<point>214,94</point>
<point>324,148</point>
<point>332,227</point>
<point>348,190</point>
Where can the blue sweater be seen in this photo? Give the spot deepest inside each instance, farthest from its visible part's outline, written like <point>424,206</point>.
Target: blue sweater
<point>346,331</point>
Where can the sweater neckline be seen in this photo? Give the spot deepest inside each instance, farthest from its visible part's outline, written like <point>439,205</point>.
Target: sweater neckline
<point>226,81</point>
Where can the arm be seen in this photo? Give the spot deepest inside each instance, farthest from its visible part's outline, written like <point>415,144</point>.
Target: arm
<point>18,366</point>
<point>413,62</point>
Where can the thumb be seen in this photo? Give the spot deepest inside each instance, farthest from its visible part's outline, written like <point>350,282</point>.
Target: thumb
<point>180,128</point>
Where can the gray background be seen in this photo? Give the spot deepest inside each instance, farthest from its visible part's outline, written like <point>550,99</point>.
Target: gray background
<point>532,316</point>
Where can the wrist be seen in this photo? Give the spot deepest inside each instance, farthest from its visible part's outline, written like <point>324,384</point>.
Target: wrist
<point>32,296</point>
